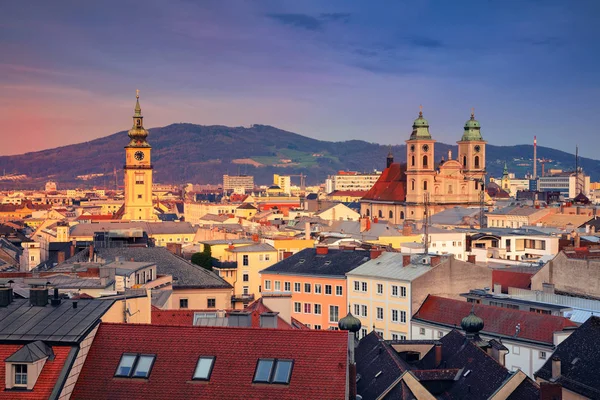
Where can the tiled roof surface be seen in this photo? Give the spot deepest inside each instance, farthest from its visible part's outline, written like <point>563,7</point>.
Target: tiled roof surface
<point>579,360</point>
<point>497,320</point>
<point>319,370</point>
<point>47,379</point>
<point>307,262</point>
<point>253,248</point>
<point>391,185</point>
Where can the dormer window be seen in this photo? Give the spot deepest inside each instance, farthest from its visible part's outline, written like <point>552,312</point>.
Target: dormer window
<point>24,367</point>
<point>269,370</point>
<point>135,366</point>
<point>20,375</point>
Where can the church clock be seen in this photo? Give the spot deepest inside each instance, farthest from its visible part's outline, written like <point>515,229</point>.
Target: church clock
<point>139,155</point>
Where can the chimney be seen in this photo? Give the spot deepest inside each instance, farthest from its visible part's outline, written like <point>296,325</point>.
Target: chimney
<point>240,319</point>
<point>287,254</point>
<point>405,260</point>
<point>322,250</point>
<point>268,320</point>
<point>497,288</point>
<point>61,257</point>
<point>255,238</point>
<point>38,297</point>
<point>406,229</point>
<point>174,248</point>
<point>550,390</point>
<point>548,288</point>
<point>56,299</point>
<point>435,260</point>
<point>74,305</point>
<point>577,240</point>
<point>438,353</point>
<point>72,250</point>
<point>307,230</point>
<point>375,253</point>
<point>6,296</point>
<point>91,253</point>
<point>471,258</point>
<point>231,246</point>
<point>556,368</point>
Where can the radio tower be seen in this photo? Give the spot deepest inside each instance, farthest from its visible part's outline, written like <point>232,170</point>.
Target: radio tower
<point>534,157</point>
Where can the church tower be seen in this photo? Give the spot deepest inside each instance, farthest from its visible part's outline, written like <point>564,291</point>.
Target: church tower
<point>471,154</point>
<point>505,179</point>
<point>420,169</point>
<point>138,171</point>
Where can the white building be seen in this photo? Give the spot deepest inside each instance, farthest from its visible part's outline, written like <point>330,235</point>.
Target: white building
<point>351,180</point>
<point>565,183</point>
<point>508,244</point>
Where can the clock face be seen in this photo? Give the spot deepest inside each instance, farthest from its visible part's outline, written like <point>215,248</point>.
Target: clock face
<point>412,147</point>
<point>425,148</point>
<point>139,155</point>
<point>477,149</point>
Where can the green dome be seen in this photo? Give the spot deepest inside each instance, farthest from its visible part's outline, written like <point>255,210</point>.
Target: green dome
<point>472,323</point>
<point>420,128</point>
<point>472,130</point>
<point>349,323</point>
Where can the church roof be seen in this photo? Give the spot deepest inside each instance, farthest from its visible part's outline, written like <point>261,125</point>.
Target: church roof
<point>391,185</point>
<point>420,128</point>
<point>472,130</point>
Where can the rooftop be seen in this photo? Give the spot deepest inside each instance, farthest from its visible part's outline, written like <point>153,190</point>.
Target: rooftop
<point>391,185</point>
<point>253,248</point>
<point>335,263</point>
<point>389,266</point>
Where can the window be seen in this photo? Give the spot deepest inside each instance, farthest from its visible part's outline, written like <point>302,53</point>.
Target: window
<point>297,287</point>
<point>356,286</point>
<point>317,288</point>
<point>135,365</point>
<point>245,260</point>
<point>183,303</point>
<point>21,375</point>
<point>139,179</point>
<point>318,309</point>
<point>307,288</point>
<point>391,214</point>
<point>277,286</point>
<point>246,290</point>
<point>245,277</point>
<point>287,286</point>
<point>297,307</point>
<point>412,161</point>
<point>403,317</point>
<point>402,337</point>
<point>379,313</point>
<point>139,196</point>
<point>363,332</point>
<point>379,288</point>
<point>516,350</point>
<point>357,309</point>
<point>333,313</point>
<point>327,289</point>
<point>273,371</point>
<point>380,214</point>
<point>318,327</point>
<point>339,290</point>
<point>394,336</point>
<point>211,303</point>
<point>364,310</point>
<point>422,331</point>
<point>412,184</point>
<point>402,291</point>
<point>464,161</point>
<point>267,257</point>
<point>424,185</point>
<point>542,355</point>
<point>425,161</point>
<point>394,290</point>
<point>440,334</point>
<point>307,308</point>
<point>267,285</point>
<point>204,368</point>
<point>364,286</point>
<point>476,161</point>
<point>394,315</point>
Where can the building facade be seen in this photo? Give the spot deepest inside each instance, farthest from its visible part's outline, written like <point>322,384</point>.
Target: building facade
<point>237,182</point>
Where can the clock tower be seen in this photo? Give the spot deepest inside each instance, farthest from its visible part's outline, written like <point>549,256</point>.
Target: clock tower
<point>138,171</point>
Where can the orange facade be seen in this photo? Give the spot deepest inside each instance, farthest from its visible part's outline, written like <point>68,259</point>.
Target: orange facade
<point>317,301</point>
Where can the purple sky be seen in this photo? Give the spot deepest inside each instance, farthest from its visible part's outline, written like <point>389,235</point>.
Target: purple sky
<point>331,70</point>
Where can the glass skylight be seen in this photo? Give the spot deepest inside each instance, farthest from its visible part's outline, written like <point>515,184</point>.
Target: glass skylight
<point>204,368</point>
<point>126,365</point>
<point>135,365</point>
<point>143,366</point>
<point>283,370</point>
<point>273,371</point>
<point>263,370</point>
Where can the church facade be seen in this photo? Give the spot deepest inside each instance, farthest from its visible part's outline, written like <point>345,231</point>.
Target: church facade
<point>138,203</point>
<point>445,184</point>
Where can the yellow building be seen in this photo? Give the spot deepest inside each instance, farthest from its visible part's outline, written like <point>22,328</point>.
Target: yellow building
<point>284,183</point>
<point>162,233</point>
<point>138,171</point>
<point>290,246</point>
<point>246,211</point>
<point>219,247</point>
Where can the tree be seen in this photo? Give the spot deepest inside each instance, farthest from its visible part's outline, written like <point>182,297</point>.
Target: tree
<point>204,258</point>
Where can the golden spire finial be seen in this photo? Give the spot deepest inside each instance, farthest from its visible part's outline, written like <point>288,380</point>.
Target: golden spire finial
<point>420,110</point>
<point>137,93</point>
<point>472,112</point>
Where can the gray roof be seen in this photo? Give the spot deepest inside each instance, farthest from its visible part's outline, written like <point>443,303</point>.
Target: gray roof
<point>185,274</point>
<point>160,297</point>
<point>307,262</point>
<point>515,210</point>
<point>126,268</point>
<point>152,228</point>
<point>226,241</point>
<point>22,322</point>
<point>389,266</point>
<point>454,216</point>
<point>31,353</point>
<point>352,229</point>
<point>253,248</point>
<point>68,282</point>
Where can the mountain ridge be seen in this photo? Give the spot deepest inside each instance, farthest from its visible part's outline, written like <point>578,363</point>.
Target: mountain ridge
<point>184,152</point>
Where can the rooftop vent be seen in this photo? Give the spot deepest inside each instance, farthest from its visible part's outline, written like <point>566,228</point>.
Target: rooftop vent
<point>38,297</point>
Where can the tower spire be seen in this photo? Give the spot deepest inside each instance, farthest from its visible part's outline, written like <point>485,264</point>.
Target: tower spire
<point>138,109</point>
<point>472,113</point>
<point>137,133</point>
<point>421,110</point>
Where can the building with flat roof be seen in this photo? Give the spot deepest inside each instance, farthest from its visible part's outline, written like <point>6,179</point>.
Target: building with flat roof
<point>237,182</point>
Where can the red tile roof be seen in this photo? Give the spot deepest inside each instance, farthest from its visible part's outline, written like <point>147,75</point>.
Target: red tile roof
<point>352,193</point>
<point>508,278</point>
<point>391,185</point>
<point>319,370</point>
<point>98,217</point>
<point>47,379</point>
<point>497,320</point>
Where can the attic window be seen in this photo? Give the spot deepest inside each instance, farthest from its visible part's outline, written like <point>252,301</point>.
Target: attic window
<point>135,365</point>
<point>269,370</point>
<point>204,368</point>
<point>301,261</point>
<point>327,262</point>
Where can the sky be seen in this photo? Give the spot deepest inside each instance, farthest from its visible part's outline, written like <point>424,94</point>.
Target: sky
<point>332,70</point>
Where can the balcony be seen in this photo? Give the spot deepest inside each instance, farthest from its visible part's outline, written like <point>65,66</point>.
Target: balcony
<point>245,298</point>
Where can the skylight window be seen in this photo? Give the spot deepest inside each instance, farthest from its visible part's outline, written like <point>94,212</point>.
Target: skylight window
<point>204,368</point>
<point>135,365</point>
<point>273,371</point>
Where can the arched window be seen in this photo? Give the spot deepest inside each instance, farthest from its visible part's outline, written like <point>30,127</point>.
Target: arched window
<point>464,161</point>
<point>412,185</point>
<point>380,214</point>
<point>401,214</point>
<point>368,213</point>
<point>424,185</point>
<point>476,162</point>
<point>425,161</point>
<point>391,214</point>
<point>413,161</point>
